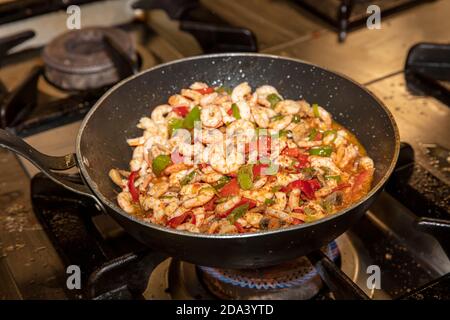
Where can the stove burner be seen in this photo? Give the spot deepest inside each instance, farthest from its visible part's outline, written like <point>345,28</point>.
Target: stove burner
<point>79,59</point>
<point>297,275</point>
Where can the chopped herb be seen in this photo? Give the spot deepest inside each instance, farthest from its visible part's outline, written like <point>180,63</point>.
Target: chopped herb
<point>327,206</point>
<point>221,182</point>
<point>235,110</point>
<point>167,197</point>
<point>283,133</point>
<point>245,177</point>
<point>160,163</point>
<point>321,151</point>
<point>327,132</point>
<point>315,108</point>
<point>277,117</point>
<point>238,212</point>
<point>337,178</point>
<point>191,118</point>
<point>188,178</point>
<point>276,188</point>
<point>273,99</point>
<point>309,211</point>
<point>269,202</point>
<point>296,119</point>
<point>313,134</point>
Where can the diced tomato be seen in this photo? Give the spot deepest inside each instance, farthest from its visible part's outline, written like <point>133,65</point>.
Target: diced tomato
<point>298,210</point>
<point>133,190</point>
<point>205,90</point>
<point>291,152</point>
<point>203,165</point>
<point>296,221</point>
<point>302,159</point>
<point>230,189</point>
<point>230,112</point>
<point>342,186</point>
<point>175,222</point>
<point>360,180</point>
<point>193,218</point>
<point>307,187</point>
<point>258,168</point>
<point>239,227</point>
<point>319,136</point>
<point>182,111</point>
<point>210,205</point>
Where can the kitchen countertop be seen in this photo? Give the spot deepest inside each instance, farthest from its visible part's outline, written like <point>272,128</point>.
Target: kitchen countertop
<point>373,57</point>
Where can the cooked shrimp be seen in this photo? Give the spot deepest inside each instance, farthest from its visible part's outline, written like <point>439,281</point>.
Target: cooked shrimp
<point>280,124</point>
<point>320,162</point>
<point>287,107</point>
<point>264,91</point>
<point>179,100</point>
<point>244,110</point>
<point>262,115</point>
<point>125,202</point>
<point>156,190</point>
<point>196,194</point>
<point>253,218</point>
<point>208,99</point>
<point>137,158</point>
<point>280,201</point>
<point>225,164</point>
<point>243,129</point>
<point>294,199</point>
<point>227,205</point>
<point>346,154</point>
<point>192,94</point>
<point>160,112</point>
<point>211,116</point>
<point>116,177</point>
<point>366,163</point>
<point>239,92</point>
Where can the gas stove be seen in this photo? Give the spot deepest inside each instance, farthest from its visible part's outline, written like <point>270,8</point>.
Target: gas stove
<point>44,228</point>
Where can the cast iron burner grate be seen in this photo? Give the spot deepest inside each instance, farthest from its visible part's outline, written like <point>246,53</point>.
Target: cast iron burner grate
<point>296,279</point>
<point>345,15</point>
<point>21,110</point>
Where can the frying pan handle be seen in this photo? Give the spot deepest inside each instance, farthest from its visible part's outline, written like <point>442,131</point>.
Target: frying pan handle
<point>47,164</point>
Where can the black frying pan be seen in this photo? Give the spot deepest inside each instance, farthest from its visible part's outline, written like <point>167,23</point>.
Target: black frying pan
<point>101,146</point>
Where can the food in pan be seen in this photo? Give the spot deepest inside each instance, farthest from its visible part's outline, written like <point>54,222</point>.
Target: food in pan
<point>219,160</point>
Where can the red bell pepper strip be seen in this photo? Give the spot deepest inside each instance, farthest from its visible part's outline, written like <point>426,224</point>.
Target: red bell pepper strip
<point>182,111</point>
<point>258,168</point>
<point>205,90</point>
<point>230,189</point>
<point>306,186</point>
<point>302,159</point>
<point>239,227</point>
<point>291,152</point>
<point>210,205</point>
<point>131,187</point>
<point>175,222</point>
<point>296,221</point>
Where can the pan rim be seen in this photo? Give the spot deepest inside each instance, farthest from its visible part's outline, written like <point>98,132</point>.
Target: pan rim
<point>97,194</point>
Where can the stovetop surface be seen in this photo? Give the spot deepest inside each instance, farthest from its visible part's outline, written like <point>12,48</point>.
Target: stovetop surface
<point>30,266</point>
